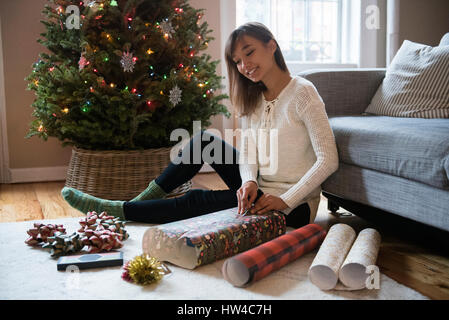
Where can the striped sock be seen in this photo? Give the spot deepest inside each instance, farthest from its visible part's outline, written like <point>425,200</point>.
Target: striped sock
<point>153,191</point>
<point>85,203</point>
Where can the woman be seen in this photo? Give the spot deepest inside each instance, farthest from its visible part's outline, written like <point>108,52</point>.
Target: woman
<point>266,97</point>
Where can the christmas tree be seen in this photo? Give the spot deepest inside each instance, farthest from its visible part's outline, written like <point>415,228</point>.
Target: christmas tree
<point>121,75</point>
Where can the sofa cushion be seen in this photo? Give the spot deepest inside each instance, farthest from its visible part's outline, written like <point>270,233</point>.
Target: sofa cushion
<point>412,148</point>
<point>416,84</point>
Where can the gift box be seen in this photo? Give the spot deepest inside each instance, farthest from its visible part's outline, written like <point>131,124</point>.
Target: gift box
<point>205,239</point>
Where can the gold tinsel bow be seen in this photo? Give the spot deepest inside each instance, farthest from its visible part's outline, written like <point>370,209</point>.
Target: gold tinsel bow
<point>144,270</point>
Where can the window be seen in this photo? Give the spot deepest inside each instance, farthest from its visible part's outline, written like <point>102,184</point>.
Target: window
<point>309,32</point>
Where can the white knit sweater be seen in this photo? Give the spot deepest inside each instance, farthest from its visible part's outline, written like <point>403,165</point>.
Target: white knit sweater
<point>306,150</point>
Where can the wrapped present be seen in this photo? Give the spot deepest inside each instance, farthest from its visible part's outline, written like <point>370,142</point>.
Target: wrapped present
<point>205,239</point>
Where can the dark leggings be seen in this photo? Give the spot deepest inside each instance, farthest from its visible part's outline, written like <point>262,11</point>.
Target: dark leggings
<point>197,202</point>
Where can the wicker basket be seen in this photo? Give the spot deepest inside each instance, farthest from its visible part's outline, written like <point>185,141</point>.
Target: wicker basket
<point>118,175</point>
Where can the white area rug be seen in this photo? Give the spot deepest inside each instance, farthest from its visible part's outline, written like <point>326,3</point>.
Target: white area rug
<point>30,273</point>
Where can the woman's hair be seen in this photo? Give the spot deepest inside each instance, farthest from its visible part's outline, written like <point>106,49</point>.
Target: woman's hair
<point>243,92</point>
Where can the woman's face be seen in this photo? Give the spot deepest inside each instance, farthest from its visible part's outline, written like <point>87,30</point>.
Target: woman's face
<point>253,59</point>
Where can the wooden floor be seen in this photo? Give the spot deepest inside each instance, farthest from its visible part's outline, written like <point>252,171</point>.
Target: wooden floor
<point>409,264</point>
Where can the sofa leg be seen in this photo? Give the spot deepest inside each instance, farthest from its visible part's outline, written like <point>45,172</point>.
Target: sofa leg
<point>332,207</point>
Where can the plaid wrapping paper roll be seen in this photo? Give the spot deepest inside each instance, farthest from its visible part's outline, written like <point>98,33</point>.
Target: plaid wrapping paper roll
<point>255,264</point>
<point>205,239</point>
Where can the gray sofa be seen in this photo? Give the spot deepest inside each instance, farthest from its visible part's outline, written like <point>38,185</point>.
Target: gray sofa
<point>397,165</point>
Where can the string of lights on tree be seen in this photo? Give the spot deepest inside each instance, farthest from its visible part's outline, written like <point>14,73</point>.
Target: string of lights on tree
<point>147,63</point>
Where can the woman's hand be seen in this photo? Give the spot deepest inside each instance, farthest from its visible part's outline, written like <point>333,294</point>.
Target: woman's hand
<point>248,189</point>
<point>268,202</point>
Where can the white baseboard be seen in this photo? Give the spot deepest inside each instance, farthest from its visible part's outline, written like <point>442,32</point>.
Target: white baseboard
<point>55,174</point>
<point>38,174</point>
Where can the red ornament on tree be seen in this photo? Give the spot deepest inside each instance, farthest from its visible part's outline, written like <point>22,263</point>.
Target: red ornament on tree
<point>153,105</point>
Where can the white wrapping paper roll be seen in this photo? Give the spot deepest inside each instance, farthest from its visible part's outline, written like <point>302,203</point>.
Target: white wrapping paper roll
<point>363,253</point>
<point>325,267</point>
